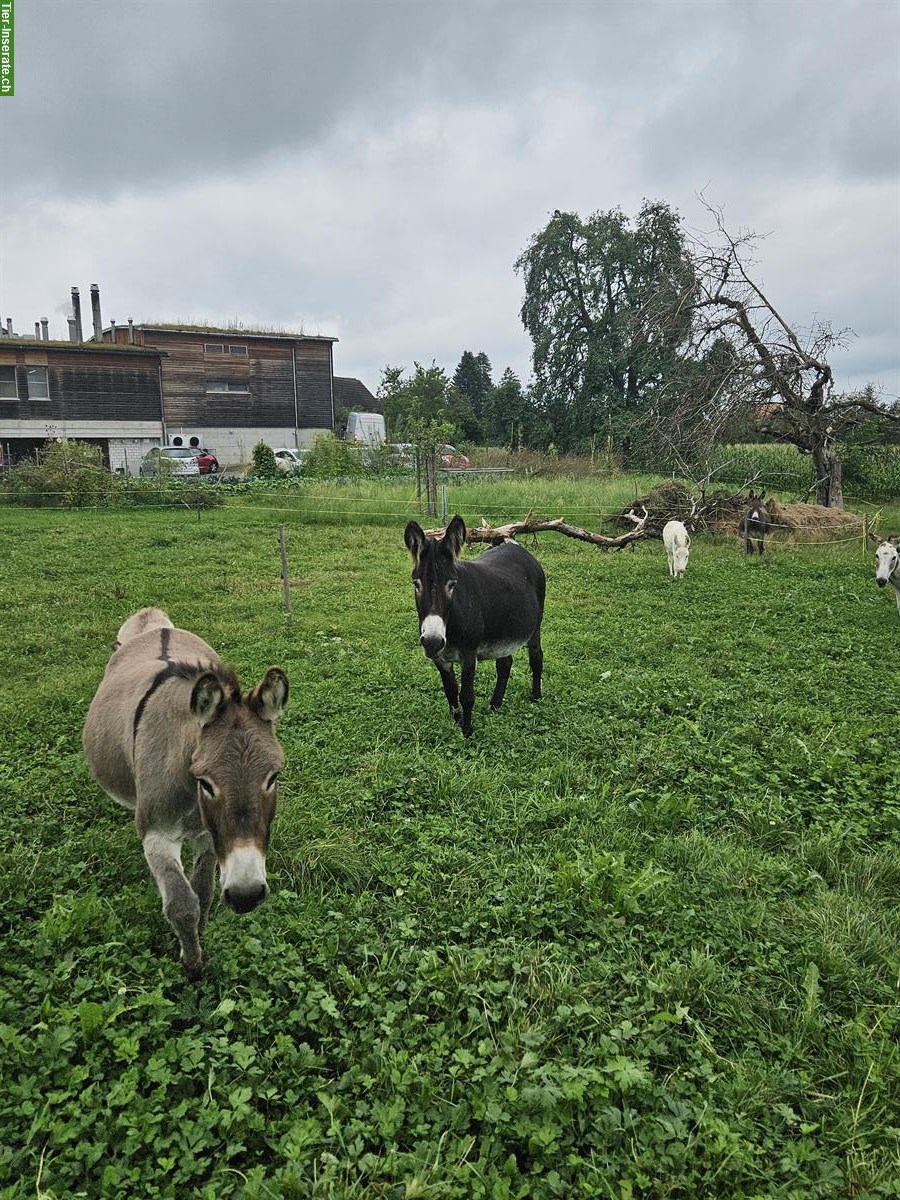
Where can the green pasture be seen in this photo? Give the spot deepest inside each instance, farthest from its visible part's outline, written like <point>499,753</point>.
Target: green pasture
<point>639,940</point>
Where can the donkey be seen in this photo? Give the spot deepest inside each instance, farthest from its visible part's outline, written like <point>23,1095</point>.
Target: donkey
<point>170,736</point>
<point>677,542</point>
<point>887,565</point>
<point>755,524</point>
<point>470,611</point>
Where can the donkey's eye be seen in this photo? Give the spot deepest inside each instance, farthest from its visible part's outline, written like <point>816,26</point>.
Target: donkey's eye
<point>417,584</point>
<point>207,788</point>
<point>451,584</point>
<point>271,781</point>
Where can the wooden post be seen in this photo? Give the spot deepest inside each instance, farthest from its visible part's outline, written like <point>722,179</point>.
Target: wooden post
<point>285,576</point>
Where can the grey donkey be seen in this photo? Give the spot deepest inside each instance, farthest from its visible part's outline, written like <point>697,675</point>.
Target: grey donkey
<point>755,524</point>
<point>170,736</point>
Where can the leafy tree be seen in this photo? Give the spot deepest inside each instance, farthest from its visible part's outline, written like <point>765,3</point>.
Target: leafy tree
<point>508,419</point>
<point>427,395</point>
<point>472,380</point>
<point>604,305</point>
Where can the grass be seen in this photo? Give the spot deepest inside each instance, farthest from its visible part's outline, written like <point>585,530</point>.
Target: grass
<point>639,940</point>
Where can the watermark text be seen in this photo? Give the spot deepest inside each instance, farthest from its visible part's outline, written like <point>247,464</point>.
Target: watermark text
<point>7,48</point>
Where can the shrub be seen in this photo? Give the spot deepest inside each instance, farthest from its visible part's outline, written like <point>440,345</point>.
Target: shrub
<point>264,465</point>
<point>62,475</point>
<point>331,458</point>
<point>72,475</point>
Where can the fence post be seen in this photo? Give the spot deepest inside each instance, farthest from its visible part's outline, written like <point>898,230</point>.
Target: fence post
<point>285,576</point>
<point>444,509</point>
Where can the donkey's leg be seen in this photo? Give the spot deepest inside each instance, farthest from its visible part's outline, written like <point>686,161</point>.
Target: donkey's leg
<point>536,662</point>
<point>451,691</point>
<point>181,907</point>
<point>504,666</point>
<point>203,875</point>
<point>467,693</point>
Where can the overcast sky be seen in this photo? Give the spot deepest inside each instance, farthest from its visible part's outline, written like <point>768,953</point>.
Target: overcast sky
<point>371,169</point>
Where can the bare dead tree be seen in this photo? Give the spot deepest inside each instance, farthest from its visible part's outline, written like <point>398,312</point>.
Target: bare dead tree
<point>744,356</point>
<point>502,533</point>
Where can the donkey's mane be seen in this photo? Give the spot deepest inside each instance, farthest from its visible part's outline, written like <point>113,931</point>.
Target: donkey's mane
<point>174,669</point>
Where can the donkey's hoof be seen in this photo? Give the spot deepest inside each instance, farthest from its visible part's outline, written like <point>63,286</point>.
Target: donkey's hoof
<point>193,969</point>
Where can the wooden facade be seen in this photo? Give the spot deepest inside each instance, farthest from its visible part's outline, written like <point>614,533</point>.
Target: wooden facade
<point>84,382</point>
<point>217,378</point>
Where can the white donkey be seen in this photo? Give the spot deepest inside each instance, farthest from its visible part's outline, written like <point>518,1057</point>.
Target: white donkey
<point>170,736</point>
<point>887,565</point>
<point>677,542</point>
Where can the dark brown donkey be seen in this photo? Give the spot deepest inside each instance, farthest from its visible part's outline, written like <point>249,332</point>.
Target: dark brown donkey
<point>170,736</point>
<point>755,524</point>
<point>469,611</point>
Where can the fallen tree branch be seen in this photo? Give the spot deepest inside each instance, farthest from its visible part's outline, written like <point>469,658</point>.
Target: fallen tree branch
<point>505,533</point>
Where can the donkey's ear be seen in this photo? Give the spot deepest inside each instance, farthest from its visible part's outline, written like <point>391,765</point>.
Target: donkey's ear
<point>206,698</point>
<point>414,536</point>
<point>269,697</point>
<point>455,536</point>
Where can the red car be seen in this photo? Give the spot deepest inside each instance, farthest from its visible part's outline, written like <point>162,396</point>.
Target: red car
<point>207,462</point>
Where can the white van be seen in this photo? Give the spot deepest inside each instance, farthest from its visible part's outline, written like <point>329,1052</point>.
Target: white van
<point>365,427</point>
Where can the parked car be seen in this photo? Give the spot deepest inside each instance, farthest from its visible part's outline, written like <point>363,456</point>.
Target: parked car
<point>401,454</point>
<point>289,459</point>
<point>185,460</point>
<point>207,462</point>
<point>453,459</point>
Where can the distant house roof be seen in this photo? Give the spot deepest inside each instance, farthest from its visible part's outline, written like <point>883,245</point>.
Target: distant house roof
<point>353,393</point>
<point>234,331</point>
<point>26,343</point>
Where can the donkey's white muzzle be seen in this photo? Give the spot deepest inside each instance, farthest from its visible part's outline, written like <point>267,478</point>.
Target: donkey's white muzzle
<point>434,635</point>
<point>244,878</point>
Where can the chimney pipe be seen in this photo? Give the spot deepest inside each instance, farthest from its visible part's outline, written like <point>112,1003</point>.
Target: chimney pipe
<point>112,326</point>
<point>95,311</point>
<point>130,331</point>
<point>45,329</point>
<point>76,313</point>
<point>9,329</point>
<point>73,333</point>
<point>37,331</point>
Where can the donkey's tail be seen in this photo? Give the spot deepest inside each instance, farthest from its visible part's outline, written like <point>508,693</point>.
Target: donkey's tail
<point>144,619</point>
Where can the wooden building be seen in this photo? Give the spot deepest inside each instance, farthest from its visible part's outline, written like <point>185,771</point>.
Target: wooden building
<point>232,388</point>
<point>110,396</point>
<point>131,387</point>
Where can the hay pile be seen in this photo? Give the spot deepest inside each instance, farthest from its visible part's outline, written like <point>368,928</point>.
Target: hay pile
<point>812,522</point>
<point>721,512</point>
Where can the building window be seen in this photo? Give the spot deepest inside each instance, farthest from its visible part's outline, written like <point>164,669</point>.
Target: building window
<point>221,348</point>
<point>214,348</point>
<point>38,384</point>
<point>224,385</point>
<point>237,350</point>
<point>8,389</point>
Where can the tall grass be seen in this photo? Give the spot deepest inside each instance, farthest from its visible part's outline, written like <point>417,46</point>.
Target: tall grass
<point>870,472</point>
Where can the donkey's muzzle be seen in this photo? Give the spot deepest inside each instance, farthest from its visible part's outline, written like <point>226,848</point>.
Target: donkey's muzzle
<point>245,899</point>
<point>433,645</point>
<point>881,582</point>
